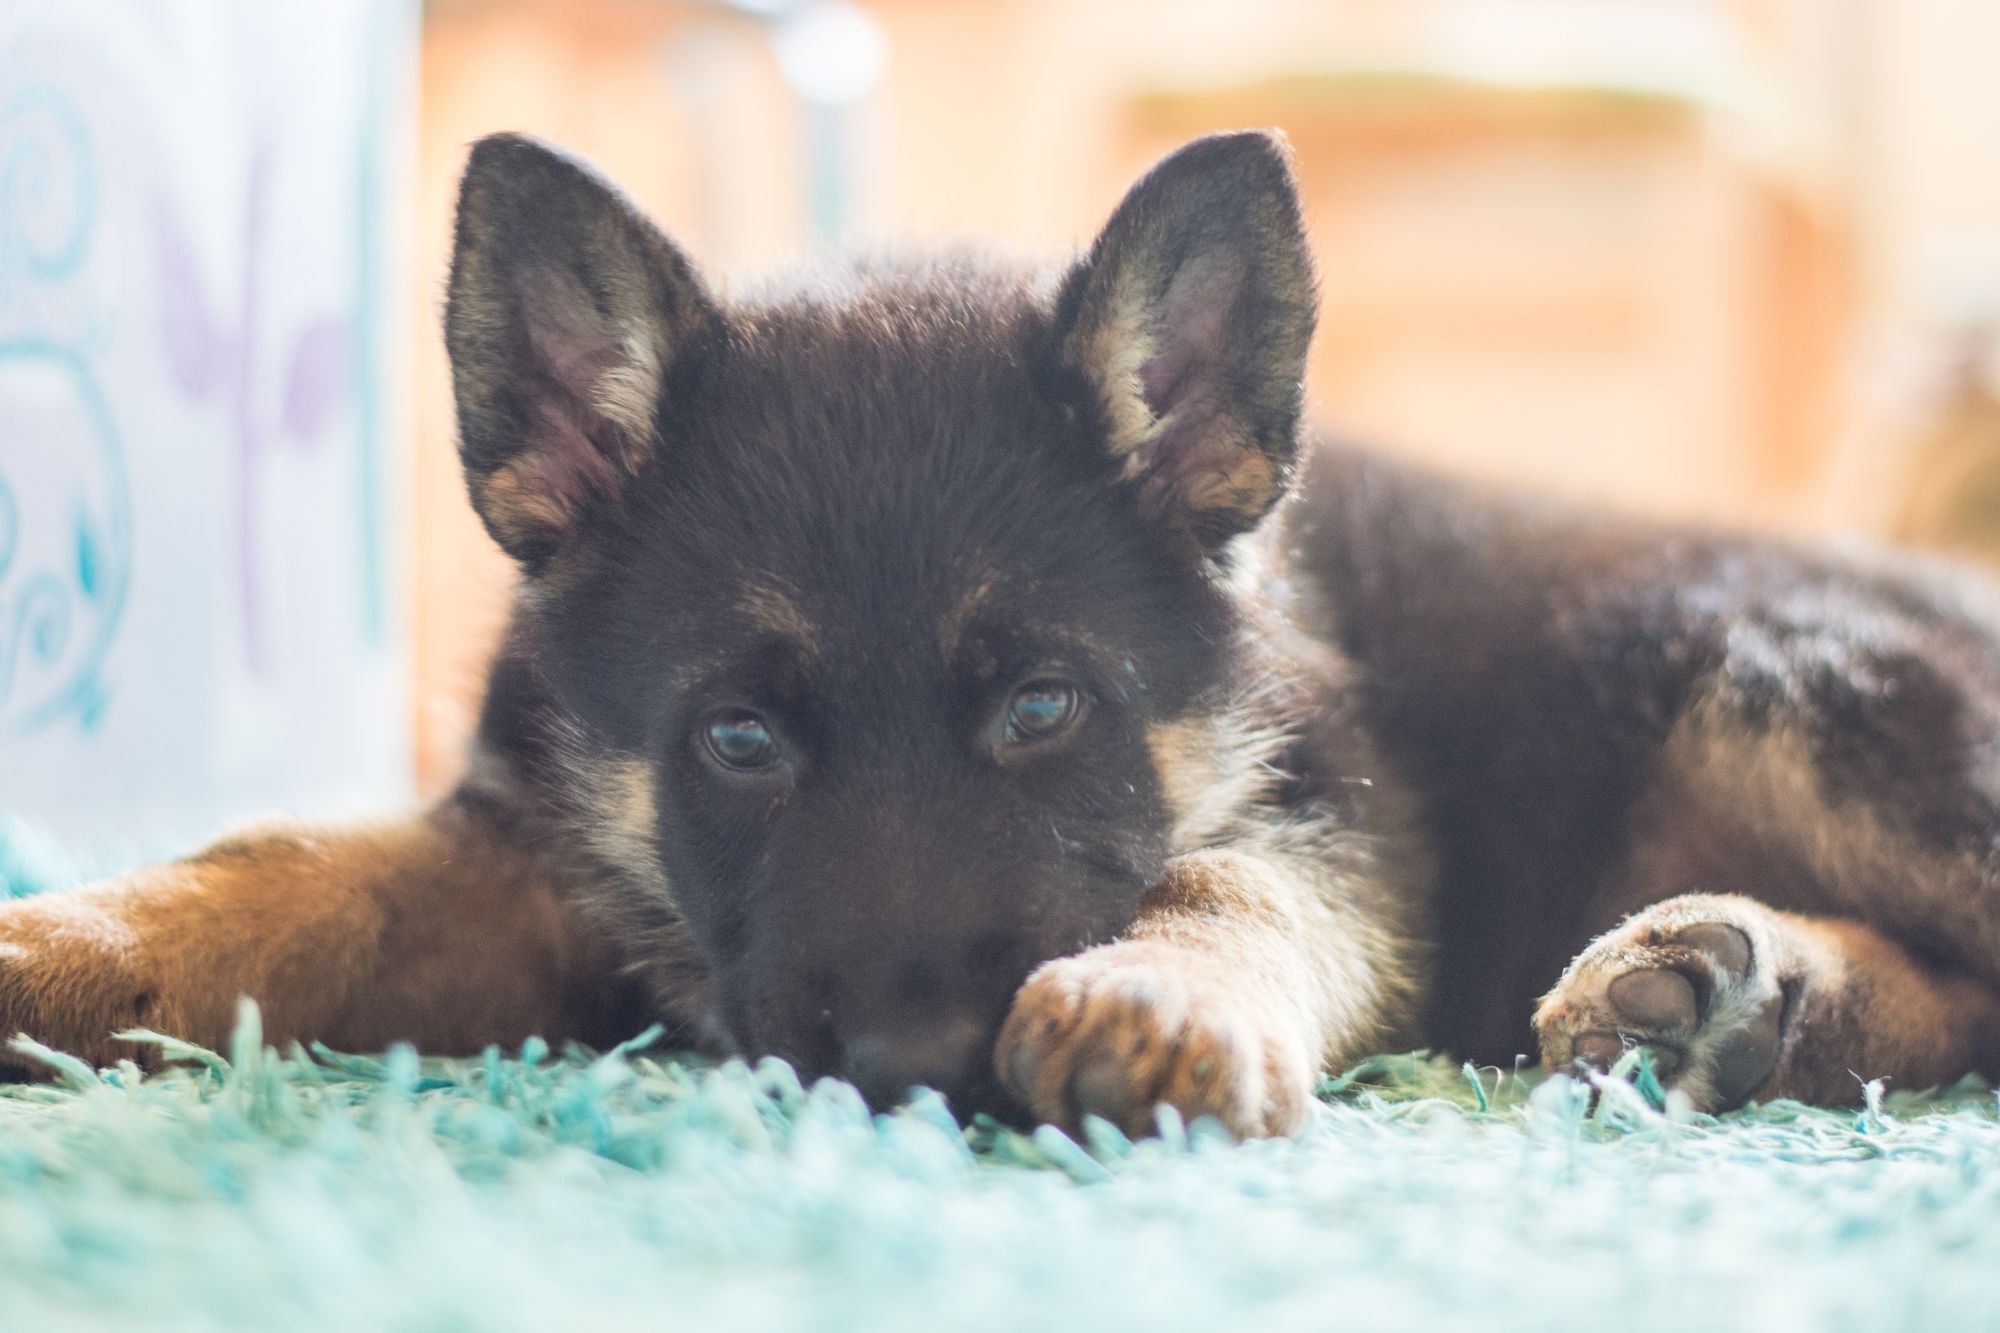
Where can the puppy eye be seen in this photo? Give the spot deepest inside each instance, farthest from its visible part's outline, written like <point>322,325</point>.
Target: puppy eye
<point>740,741</point>
<point>1041,709</point>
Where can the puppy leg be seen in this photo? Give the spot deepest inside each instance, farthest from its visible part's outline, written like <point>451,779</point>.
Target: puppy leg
<point>1740,1001</point>
<point>436,930</point>
<point>1244,975</point>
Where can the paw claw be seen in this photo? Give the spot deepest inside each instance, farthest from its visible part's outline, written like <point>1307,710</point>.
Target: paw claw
<point>1102,1087</point>
<point>1020,1072</point>
<point>1599,1050</point>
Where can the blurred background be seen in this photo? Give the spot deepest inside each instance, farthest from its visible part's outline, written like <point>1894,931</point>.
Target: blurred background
<point>1734,260</point>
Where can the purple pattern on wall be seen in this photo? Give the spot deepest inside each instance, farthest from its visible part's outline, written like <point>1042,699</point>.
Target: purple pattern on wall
<point>212,359</point>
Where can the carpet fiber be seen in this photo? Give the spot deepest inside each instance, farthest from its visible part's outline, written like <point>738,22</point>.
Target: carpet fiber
<point>254,1190</point>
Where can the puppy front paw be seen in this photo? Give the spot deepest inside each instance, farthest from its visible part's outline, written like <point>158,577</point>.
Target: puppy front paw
<point>1123,1028</point>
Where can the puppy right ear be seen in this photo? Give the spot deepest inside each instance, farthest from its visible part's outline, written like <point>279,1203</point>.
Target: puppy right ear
<point>1190,320</point>
<point>566,310</point>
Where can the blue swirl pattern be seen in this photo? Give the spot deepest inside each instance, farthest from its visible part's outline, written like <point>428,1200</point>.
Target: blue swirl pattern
<point>62,593</point>
<point>48,194</point>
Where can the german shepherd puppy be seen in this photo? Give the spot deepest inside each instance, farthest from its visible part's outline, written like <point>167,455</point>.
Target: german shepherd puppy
<point>921,673</point>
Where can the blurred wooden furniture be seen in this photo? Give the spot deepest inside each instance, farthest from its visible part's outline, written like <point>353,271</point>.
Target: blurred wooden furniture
<point>1573,288</point>
<point>1938,476</point>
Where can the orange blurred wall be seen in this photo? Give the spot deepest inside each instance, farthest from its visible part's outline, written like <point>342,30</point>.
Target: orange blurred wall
<point>1648,294</point>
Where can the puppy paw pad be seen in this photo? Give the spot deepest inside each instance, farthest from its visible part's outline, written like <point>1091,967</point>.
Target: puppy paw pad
<point>1656,998</point>
<point>1725,944</point>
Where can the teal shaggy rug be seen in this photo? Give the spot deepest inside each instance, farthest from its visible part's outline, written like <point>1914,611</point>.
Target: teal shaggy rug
<point>253,1189</point>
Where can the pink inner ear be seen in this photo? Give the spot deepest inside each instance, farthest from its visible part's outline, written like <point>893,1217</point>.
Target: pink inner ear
<point>1186,383</point>
<point>571,346</point>
<point>572,342</point>
<point>1190,325</point>
<point>571,465</point>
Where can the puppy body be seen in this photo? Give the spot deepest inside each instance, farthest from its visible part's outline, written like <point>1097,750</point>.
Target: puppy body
<point>924,676</point>
<point>1600,715</point>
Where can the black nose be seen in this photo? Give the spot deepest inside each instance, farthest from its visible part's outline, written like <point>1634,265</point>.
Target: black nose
<point>945,1053</point>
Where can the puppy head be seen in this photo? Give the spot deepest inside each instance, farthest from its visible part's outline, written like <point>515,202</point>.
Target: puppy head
<point>887,586</point>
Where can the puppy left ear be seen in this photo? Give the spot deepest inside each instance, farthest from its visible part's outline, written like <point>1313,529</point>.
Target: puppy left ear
<point>1190,320</point>
<point>567,310</point>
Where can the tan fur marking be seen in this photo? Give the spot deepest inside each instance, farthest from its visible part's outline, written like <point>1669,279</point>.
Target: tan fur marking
<point>1211,767</point>
<point>1117,347</point>
<point>1767,781</point>
<point>610,802</point>
<point>1246,489</point>
<point>1916,1023</point>
<point>610,799</point>
<point>621,811</point>
<point>514,500</point>
<point>1186,758</point>
<point>778,613</point>
<point>952,631</point>
<point>628,394</point>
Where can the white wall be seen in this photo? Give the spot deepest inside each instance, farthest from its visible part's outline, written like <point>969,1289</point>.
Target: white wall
<point>201,438</point>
